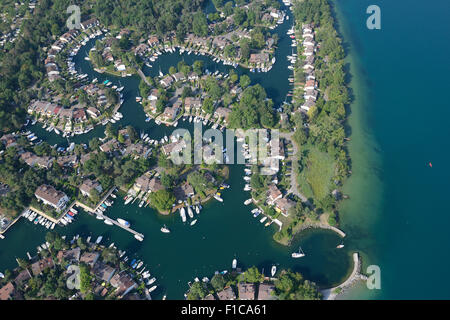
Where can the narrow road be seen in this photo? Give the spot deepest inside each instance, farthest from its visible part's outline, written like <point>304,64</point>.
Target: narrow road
<point>294,189</point>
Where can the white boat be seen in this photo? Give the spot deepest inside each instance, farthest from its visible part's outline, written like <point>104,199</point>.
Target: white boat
<point>123,222</point>
<point>138,237</point>
<point>234,264</point>
<point>99,217</point>
<point>273,270</point>
<point>340,246</point>
<point>298,254</point>
<point>139,265</point>
<point>193,222</point>
<point>99,239</point>
<point>129,199</point>
<point>183,214</point>
<point>218,198</point>
<point>108,222</point>
<point>152,280</point>
<point>248,201</point>
<point>197,209</point>
<point>190,213</point>
<point>152,289</point>
<point>165,229</point>
<point>263,219</point>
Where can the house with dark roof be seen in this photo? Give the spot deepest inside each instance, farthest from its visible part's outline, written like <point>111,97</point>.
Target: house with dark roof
<point>265,291</point>
<point>103,271</point>
<point>41,265</point>
<point>89,185</point>
<point>123,283</point>
<point>52,197</point>
<point>246,291</point>
<point>8,292</point>
<point>226,294</point>
<point>90,258</point>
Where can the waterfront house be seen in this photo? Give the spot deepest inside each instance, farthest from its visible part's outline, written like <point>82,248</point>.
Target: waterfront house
<point>259,58</point>
<point>179,76</point>
<point>310,85</point>
<point>71,256</point>
<point>153,95</point>
<point>33,160</point>
<point>176,146</point>
<point>222,113</point>
<point>41,265</point>
<point>123,283</point>
<point>246,291</point>
<point>192,76</point>
<point>308,104</point>
<point>89,23</point>
<point>283,205</point>
<point>8,292</point>
<point>93,112</point>
<point>103,271</point>
<point>220,42</point>
<point>308,51</point>
<point>277,149</point>
<point>108,146</point>
<point>88,186</point>
<point>22,277</point>
<point>9,140</point>
<point>310,95</point>
<point>69,35</point>
<point>271,165</point>
<point>90,258</point>
<point>265,291</point>
<point>137,150</point>
<point>183,191</point>
<point>170,113</point>
<point>79,115</point>
<point>67,161</point>
<point>166,81</point>
<point>52,197</point>
<point>226,294</point>
<point>273,194</point>
<point>191,103</point>
<point>153,40</point>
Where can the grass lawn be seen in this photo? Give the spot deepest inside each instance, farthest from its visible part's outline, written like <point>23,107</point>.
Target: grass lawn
<point>315,179</point>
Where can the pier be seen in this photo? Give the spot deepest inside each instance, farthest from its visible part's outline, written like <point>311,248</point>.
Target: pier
<point>96,212</point>
<point>120,225</point>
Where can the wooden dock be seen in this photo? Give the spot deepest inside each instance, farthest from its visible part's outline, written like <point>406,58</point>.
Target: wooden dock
<point>120,225</point>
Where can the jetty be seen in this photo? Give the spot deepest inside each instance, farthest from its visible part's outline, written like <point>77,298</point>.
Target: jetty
<point>135,233</point>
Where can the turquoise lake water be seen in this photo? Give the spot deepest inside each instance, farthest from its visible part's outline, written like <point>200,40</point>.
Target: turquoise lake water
<point>399,210</point>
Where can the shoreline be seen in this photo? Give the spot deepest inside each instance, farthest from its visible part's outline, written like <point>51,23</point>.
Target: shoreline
<point>355,276</point>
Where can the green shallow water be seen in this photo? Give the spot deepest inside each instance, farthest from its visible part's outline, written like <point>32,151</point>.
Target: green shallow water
<point>224,230</point>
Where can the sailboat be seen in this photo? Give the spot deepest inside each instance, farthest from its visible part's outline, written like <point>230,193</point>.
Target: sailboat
<point>298,254</point>
<point>193,222</point>
<point>340,246</point>
<point>160,73</point>
<point>234,264</point>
